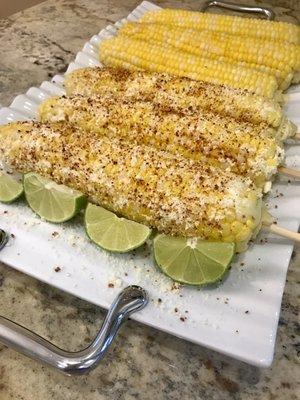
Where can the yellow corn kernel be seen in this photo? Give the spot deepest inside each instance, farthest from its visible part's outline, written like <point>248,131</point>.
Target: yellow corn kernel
<point>262,55</point>
<point>236,226</point>
<point>164,58</point>
<point>244,234</point>
<point>247,27</point>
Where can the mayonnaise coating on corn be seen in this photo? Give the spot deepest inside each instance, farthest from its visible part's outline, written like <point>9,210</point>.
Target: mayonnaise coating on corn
<point>165,191</point>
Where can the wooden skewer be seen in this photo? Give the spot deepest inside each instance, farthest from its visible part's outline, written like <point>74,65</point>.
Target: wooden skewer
<point>277,230</point>
<point>297,136</point>
<point>293,173</point>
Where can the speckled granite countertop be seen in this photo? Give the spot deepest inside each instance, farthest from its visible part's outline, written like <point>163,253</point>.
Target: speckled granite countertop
<point>144,363</point>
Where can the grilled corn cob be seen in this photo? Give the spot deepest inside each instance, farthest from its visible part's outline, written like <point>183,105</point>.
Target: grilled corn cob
<point>181,94</point>
<point>163,58</point>
<point>170,193</point>
<point>216,140</point>
<point>257,28</point>
<point>264,56</point>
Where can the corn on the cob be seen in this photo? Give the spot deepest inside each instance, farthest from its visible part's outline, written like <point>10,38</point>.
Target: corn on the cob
<point>164,58</point>
<point>170,193</point>
<point>253,27</point>
<point>181,95</point>
<point>176,93</point>
<point>240,147</point>
<point>286,130</point>
<point>268,57</point>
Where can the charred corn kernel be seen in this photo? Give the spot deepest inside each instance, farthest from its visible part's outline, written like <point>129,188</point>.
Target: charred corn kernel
<point>164,58</point>
<point>247,27</point>
<point>221,141</point>
<point>265,56</point>
<point>137,182</point>
<point>180,94</point>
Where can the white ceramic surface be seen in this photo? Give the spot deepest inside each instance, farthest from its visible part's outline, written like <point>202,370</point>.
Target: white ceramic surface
<point>238,318</point>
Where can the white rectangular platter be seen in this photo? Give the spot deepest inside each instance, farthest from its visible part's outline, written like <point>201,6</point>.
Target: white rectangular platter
<point>238,318</point>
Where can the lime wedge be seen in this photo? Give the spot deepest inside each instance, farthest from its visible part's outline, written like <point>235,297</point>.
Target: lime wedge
<point>113,233</point>
<point>192,261</point>
<point>53,202</point>
<point>10,188</point>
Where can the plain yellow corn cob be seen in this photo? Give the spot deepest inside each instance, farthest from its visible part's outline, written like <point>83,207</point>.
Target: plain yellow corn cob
<point>247,27</point>
<point>167,192</point>
<point>271,58</point>
<point>240,147</point>
<point>163,58</point>
<point>176,93</point>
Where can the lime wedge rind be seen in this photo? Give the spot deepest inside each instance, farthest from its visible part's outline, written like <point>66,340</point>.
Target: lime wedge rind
<point>10,188</point>
<point>198,265</point>
<point>50,201</point>
<point>112,233</point>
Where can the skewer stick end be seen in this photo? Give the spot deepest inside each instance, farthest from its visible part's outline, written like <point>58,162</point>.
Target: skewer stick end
<point>278,230</point>
<point>291,172</point>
